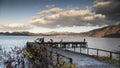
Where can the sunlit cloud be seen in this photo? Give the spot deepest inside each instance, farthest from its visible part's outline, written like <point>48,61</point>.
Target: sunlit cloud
<point>69,18</point>
<point>49,11</point>
<point>15,27</point>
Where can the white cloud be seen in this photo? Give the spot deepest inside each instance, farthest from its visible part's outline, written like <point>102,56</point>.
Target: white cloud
<point>101,4</point>
<point>50,6</point>
<point>70,18</point>
<point>50,11</point>
<point>15,27</point>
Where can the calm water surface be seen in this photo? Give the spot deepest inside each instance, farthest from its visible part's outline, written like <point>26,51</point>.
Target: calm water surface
<point>111,44</point>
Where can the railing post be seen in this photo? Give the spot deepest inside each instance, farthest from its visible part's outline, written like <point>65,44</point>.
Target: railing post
<point>51,58</point>
<point>110,55</point>
<point>74,48</point>
<point>68,45</point>
<point>70,60</point>
<point>87,51</point>
<point>65,46</point>
<point>97,52</point>
<point>80,49</point>
<point>58,58</point>
<point>60,45</point>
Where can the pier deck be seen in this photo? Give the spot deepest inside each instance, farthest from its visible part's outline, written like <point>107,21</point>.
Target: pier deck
<point>82,61</point>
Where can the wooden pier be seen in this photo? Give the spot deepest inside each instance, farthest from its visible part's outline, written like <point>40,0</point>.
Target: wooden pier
<point>61,49</point>
<point>58,49</point>
<point>74,45</point>
<point>63,44</point>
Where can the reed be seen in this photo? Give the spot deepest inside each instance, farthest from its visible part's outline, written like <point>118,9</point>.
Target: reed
<point>34,57</point>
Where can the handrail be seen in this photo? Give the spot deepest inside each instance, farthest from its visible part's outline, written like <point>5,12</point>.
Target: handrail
<point>104,50</point>
<point>61,42</point>
<point>110,52</point>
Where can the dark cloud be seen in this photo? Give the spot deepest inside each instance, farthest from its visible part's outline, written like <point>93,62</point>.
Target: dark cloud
<point>110,8</point>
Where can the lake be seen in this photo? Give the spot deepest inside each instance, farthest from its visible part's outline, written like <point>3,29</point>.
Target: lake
<point>110,44</point>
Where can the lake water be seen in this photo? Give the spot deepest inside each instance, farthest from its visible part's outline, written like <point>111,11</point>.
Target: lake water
<point>111,44</point>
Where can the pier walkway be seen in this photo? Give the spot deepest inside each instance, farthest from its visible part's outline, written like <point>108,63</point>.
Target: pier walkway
<point>82,61</point>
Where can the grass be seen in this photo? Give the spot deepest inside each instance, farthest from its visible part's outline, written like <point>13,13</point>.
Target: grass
<point>115,62</point>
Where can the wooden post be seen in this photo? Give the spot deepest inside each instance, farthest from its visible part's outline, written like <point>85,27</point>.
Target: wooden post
<point>60,45</point>
<point>87,51</point>
<point>68,45</point>
<point>74,47</point>
<point>58,58</point>
<point>110,55</point>
<point>119,58</point>
<point>97,52</point>
<point>65,46</point>
<point>70,60</point>
<point>51,56</point>
<point>80,47</point>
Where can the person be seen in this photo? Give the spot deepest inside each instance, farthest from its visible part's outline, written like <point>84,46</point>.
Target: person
<point>51,40</point>
<point>84,40</point>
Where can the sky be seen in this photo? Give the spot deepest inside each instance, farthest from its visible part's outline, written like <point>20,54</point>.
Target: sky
<point>57,15</point>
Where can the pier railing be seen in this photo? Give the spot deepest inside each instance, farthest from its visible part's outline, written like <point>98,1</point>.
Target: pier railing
<point>97,52</point>
<point>82,45</point>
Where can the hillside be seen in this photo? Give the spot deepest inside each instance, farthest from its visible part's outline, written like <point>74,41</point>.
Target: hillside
<point>20,34</point>
<point>108,31</point>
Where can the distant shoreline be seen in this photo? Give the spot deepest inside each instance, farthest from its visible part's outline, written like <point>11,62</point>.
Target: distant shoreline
<point>59,35</point>
<point>108,32</point>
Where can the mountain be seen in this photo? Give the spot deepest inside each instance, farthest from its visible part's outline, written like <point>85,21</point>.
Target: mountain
<point>20,33</point>
<point>53,33</point>
<point>108,31</point>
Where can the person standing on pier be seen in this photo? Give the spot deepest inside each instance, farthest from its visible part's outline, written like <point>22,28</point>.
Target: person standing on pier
<point>84,40</point>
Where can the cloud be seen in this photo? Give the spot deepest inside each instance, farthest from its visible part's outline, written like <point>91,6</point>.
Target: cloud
<point>15,27</point>
<point>110,8</point>
<point>50,11</point>
<point>50,6</point>
<point>101,4</point>
<point>69,18</point>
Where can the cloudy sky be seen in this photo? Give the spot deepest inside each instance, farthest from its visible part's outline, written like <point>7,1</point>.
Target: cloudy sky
<point>57,15</point>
